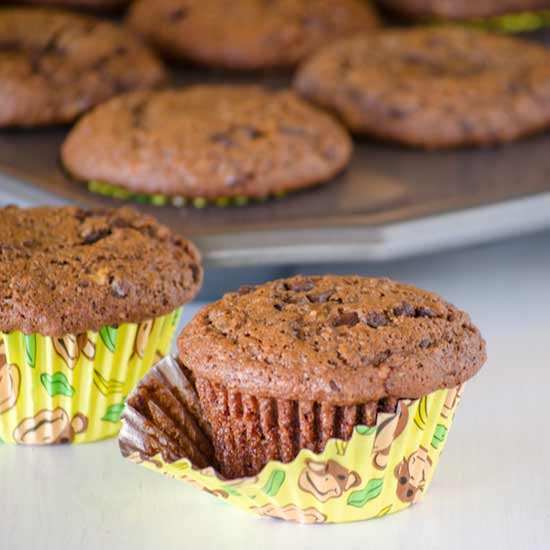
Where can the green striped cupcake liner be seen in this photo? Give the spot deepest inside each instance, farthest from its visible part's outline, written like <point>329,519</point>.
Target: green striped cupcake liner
<point>117,192</point>
<point>509,23</point>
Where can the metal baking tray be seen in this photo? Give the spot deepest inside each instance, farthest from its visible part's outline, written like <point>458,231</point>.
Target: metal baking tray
<point>390,202</point>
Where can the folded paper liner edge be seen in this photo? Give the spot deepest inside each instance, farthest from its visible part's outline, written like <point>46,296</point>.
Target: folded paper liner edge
<point>381,470</point>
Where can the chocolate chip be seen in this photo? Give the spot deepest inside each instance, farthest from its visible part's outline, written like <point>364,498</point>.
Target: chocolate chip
<point>334,386</point>
<point>300,285</point>
<point>375,319</point>
<point>425,343</point>
<point>422,311</point>
<point>404,310</point>
<point>347,318</point>
<point>321,297</point>
<point>178,14</point>
<point>93,235</point>
<point>252,132</point>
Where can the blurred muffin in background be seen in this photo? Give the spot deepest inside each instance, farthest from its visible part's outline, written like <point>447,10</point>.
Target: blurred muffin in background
<point>248,34</point>
<point>55,65</point>
<point>433,87</point>
<point>206,143</point>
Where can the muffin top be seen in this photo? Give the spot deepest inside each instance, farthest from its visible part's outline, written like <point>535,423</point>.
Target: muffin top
<point>66,270</point>
<point>208,141</point>
<point>55,65</point>
<point>248,34</point>
<point>338,339</point>
<point>433,86</point>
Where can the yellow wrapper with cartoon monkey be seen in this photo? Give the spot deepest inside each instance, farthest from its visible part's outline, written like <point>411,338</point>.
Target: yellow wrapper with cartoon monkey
<point>73,389</point>
<point>380,470</point>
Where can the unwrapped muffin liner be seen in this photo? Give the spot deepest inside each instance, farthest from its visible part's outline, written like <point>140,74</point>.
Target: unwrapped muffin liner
<point>179,201</point>
<point>381,470</point>
<point>73,389</point>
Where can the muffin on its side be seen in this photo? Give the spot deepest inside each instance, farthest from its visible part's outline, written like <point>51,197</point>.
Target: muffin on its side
<point>290,364</point>
<point>90,299</point>
<point>433,87</point>
<point>207,142</point>
<point>458,9</point>
<point>55,65</point>
<point>248,34</point>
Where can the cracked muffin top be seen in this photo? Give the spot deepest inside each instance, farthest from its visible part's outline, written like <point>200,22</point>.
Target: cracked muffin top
<point>66,270</point>
<point>337,339</point>
<point>55,65</point>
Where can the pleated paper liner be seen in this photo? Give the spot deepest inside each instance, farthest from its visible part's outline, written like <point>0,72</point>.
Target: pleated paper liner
<point>381,470</point>
<point>117,192</point>
<point>73,389</point>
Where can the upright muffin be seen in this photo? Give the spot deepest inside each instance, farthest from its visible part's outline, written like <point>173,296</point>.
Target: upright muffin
<point>433,87</point>
<point>248,34</point>
<point>290,364</point>
<point>55,65</point>
<point>224,144</point>
<point>311,399</point>
<point>89,300</point>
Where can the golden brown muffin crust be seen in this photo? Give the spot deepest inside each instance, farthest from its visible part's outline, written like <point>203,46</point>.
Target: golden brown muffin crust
<point>433,87</point>
<point>66,270</point>
<point>248,34</point>
<point>343,340</point>
<point>55,65</point>
<point>208,141</point>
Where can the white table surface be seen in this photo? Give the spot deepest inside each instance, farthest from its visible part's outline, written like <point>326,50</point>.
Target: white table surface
<point>491,491</point>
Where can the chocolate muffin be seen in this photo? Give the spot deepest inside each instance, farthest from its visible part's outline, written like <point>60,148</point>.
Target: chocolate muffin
<point>55,65</point>
<point>89,300</point>
<point>207,141</point>
<point>289,364</point>
<point>433,87</point>
<point>458,9</point>
<point>68,270</point>
<point>248,34</point>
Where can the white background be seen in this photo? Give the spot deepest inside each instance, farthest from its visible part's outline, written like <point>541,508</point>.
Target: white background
<point>491,491</point>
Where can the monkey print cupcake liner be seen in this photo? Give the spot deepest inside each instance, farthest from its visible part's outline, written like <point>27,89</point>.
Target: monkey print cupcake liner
<point>73,389</point>
<point>117,192</point>
<point>381,470</point>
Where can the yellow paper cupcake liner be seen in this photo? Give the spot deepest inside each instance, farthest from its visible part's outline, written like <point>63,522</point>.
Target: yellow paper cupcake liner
<point>380,470</point>
<point>117,192</point>
<point>73,389</point>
